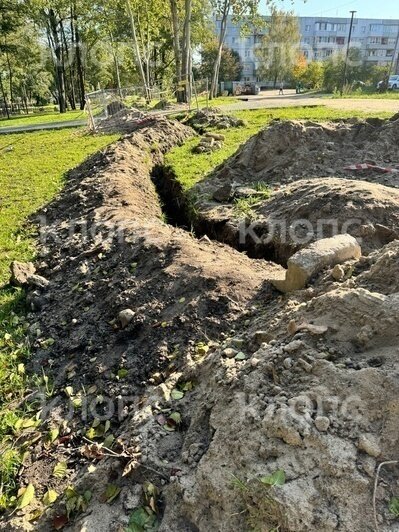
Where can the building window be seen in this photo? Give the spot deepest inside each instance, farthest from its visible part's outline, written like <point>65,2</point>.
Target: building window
<point>363,29</point>
<point>308,28</point>
<point>340,40</point>
<point>375,28</point>
<point>341,27</point>
<point>321,26</point>
<point>375,40</point>
<point>390,53</point>
<point>247,53</point>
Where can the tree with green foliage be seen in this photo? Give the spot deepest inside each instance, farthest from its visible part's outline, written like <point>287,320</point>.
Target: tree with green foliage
<point>278,51</point>
<point>243,12</point>
<point>230,64</point>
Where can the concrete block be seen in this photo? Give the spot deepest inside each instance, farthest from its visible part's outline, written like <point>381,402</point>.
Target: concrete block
<point>308,261</point>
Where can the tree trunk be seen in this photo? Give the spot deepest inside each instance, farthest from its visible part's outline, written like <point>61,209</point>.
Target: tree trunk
<point>137,50</point>
<point>176,38</point>
<point>59,69</point>
<point>79,65</point>
<point>222,35</point>
<point>114,51</point>
<point>186,58</point>
<point>10,78</point>
<point>4,97</point>
<point>69,83</point>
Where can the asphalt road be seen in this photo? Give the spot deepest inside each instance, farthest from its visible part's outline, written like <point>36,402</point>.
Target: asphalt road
<point>271,99</point>
<point>40,127</point>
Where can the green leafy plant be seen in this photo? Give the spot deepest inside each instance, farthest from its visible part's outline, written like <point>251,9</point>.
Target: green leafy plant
<point>394,506</point>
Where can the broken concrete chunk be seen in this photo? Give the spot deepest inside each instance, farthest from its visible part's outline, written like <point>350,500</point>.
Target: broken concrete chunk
<point>21,272</point>
<point>308,261</point>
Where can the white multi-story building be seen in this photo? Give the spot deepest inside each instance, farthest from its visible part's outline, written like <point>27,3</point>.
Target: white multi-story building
<point>378,40</point>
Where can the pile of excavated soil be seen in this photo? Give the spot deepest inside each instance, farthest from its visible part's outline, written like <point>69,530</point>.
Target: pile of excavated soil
<point>291,150</point>
<point>232,407</point>
<point>212,118</point>
<point>312,196</point>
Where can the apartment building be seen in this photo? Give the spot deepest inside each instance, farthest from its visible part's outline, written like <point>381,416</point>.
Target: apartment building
<point>378,40</point>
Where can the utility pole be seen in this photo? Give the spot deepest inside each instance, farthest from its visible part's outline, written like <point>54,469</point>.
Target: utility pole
<point>347,51</point>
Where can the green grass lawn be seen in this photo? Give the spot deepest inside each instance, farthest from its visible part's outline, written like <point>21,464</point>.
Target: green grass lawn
<point>32,170</point>
<point>42,118</point>
<point>192,167</point>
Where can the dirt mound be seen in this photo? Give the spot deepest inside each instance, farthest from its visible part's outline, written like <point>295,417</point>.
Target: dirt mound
<point>212,118</point>
<point>291,150</point>
<point>130,301</point>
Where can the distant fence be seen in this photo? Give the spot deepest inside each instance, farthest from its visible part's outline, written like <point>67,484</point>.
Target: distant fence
<point>139,101</point>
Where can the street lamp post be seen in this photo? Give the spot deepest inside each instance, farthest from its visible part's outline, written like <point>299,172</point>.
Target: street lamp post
<point>347,52</point>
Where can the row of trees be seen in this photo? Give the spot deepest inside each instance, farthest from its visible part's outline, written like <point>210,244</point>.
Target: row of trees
<point>61,48</point>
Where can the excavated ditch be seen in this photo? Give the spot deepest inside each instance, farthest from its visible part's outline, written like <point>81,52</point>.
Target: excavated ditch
<point>180,211</point>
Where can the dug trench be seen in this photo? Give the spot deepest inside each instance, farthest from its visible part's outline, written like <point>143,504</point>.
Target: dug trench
<point>223,405</point>
<point>251,238</point>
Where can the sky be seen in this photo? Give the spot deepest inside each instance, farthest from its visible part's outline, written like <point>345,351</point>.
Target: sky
<point>340,8</point>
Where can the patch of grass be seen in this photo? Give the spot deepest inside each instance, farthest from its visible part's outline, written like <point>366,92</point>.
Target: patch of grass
<point>364,95</point>
<point>244,207</point>
<point>44,117</point>
<point>192,167</point>
<point>31,173</point>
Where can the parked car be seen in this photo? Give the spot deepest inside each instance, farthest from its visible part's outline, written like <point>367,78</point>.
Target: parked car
<point>393,83</point>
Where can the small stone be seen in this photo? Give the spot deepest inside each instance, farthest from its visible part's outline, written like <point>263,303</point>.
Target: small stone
<point>229,352</point>
<point>21,272</point>
<point>237,342</point>
<point>254,362</point>
<point>287,363</point>
<point>260,337</point>
<point>369,444</point>
<point>125,317</point>
<point>338,272</point>
<point>293,346</point>
<point>305,365</point>
<point>223,194</point>
<point>38,281</point>
<point>322,423</point>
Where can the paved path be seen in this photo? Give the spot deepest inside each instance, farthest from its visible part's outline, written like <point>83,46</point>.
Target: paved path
<point>271,99</point>
<point>40,127</point>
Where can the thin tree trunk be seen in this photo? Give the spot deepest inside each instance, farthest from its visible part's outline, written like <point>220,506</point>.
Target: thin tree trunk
<point>69,82</point>
<point>186,62</point>
<point>4,97</point>
<point>58,64</point>
<point>222,35</point>
<point>137,50</point>
<point>117,71</point>
<point>10,77</point>
<point>79,62</point>
<point>176,38</point>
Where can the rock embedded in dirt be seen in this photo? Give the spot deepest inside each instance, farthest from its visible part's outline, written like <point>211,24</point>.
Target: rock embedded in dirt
<point>305,263</point>
<point>125,317</point>
<point>338,273</point>
<point>229,352</point>
<point>223,194</point>
<point>322,423</point>
<point>21,272</point>
<point>369,444</point>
